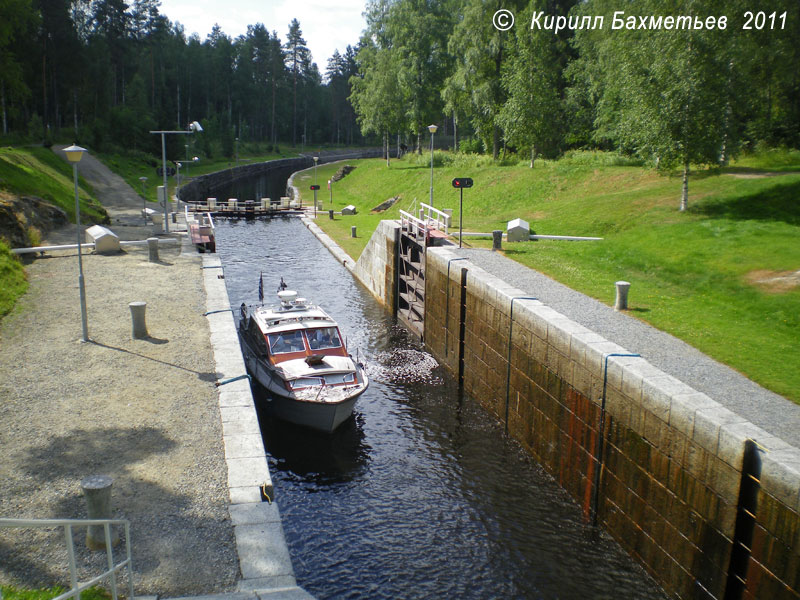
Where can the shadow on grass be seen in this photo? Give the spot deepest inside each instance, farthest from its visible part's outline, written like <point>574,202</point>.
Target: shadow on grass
<point>777,203</point>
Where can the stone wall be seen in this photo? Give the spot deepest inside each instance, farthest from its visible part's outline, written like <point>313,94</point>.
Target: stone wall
<point>656,463</point>
<point>376,268</point>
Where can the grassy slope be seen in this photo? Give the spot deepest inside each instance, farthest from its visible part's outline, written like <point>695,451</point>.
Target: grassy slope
<point>13,282</point>
<point>688,270</point>
<point>39,172</point>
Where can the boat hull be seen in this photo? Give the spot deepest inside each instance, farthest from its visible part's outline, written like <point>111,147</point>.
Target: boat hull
<point>321,416</point>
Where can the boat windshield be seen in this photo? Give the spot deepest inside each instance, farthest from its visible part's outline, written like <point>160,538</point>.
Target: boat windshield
<point>323,338</point>
<point>288,341</point>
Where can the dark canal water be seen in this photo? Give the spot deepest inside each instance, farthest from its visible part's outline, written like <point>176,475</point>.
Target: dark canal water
<point>421,495</point>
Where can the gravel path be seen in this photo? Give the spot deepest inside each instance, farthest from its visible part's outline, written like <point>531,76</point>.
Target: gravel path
<point>144,412</point>
<point>768,410</point>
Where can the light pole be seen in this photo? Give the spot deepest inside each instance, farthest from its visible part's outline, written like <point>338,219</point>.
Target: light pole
<point>432,129</point>
<point>193,127</point>
<point>315,187</point>
<point>74,154</point>
<point>143,179</point>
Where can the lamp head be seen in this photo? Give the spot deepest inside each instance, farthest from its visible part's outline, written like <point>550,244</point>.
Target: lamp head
<point>74,153</point>
<point>195,127</point>
<point>432,128</point>
<point>316,159</point>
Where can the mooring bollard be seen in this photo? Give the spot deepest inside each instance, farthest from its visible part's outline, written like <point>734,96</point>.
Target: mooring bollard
<point>353,231</point>
<point>139,325</point>
<point>97,491</point>
<point>621,302</point>
<point>152,247</point>
<point>497,239</point>
<point>330,215</point>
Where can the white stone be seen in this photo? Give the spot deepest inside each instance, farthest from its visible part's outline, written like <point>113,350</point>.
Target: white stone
<point>349,210</point>
<point>105,241</point>
<point>518,230</point>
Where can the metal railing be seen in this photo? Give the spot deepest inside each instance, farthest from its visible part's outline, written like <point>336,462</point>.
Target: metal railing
<point>68,524</point>
<point>435,218</point>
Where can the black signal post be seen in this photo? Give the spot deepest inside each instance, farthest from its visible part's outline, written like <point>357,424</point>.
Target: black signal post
<point>460,183</point>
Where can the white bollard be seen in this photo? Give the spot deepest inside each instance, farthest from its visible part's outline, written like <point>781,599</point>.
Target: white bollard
<point>152,247</point>
<point>97,491</point>
<point>621,302</point>
<point>139,325</point>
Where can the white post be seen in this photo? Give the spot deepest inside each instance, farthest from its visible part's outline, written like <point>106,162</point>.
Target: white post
<point>621,302</point>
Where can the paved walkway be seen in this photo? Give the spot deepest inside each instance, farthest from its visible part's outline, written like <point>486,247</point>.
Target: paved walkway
<point>763,408</point>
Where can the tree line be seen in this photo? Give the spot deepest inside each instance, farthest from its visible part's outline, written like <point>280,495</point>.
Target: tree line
<point>109,72</point>
<point>672,94</point>
<point>106,72</point>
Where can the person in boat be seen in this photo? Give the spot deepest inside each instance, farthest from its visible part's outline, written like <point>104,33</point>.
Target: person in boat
<point>291,341</point>
<point>321,339</point>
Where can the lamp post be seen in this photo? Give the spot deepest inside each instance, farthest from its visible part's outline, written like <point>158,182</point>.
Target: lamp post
<point>432,129</point>
<point>74,154</point>
<point>193,127</point>
<point>143,179</point>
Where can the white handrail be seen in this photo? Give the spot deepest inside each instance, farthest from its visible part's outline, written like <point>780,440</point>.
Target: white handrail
<point>68,524</point>
<point>439,218</point>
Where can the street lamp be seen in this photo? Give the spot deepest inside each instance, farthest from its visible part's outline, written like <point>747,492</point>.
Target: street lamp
<point>143,179</point>
<point>194,127</point>
<point>74,154</point>
<point>315,186</point>
<point>432,129</point>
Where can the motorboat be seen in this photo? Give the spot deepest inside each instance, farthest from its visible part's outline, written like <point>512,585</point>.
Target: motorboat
<point>295,350</point>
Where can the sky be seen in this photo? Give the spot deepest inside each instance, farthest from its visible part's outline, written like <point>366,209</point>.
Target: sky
<point>326,24</point>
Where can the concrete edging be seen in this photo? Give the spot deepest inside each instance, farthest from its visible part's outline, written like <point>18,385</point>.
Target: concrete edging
<point>264,559</point>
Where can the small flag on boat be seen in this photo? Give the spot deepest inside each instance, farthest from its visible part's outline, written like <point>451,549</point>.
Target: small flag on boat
<point>261,287</point>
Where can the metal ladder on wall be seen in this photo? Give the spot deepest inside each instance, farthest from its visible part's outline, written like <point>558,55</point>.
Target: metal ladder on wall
<point>68,525</point>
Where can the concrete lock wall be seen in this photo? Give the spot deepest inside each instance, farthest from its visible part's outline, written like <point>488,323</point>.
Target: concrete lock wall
<point>672,460</point>
<point>376,268</point>
<point>678,483</point>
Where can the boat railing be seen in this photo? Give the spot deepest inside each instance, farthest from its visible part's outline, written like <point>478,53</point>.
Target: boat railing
<point>110,574</point>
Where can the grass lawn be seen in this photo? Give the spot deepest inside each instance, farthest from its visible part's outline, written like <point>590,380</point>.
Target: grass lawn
<point>701,275</point>
<point>13,593</point>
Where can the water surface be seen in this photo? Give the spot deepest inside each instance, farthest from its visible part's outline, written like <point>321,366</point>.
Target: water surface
<point>420,495</point>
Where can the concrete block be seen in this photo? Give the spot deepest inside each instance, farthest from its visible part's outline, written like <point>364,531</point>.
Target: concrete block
<point>596,353</point>
<point>105,241</point>
<point>780,476</point>
<point>254,513</point>
<point>243,427</point>
<point>657,393</point>
<point>578,344</point>
<point>244,495</point>
<point>243,446</point>
<point>238,413</point>
<point>246,472</point>
<point>614,367</point>
<point>349,210</point>
<point>707,423</point>
<point>262,550</point>
<point>732,437</point>
<point>234,397</point>
<point>684,407</point>
<point>518,230</point>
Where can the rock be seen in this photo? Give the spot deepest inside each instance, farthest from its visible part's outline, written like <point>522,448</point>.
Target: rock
<point>342,173</point>
<point>385,205</point>
<point>19,215</point>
